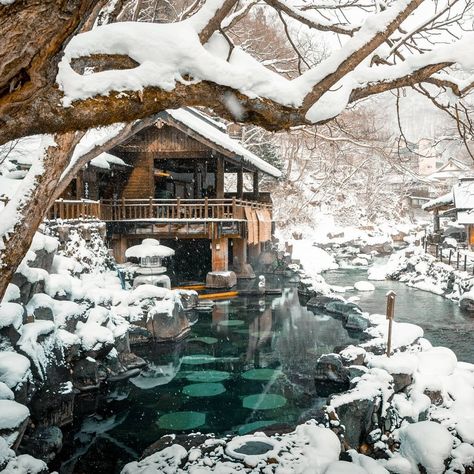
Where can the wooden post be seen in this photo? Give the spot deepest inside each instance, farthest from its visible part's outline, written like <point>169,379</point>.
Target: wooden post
<point>390,315</point>
<point>436,225</point>
<point>206,207</point>
<point>178,205</point>
<point>234,209</point>
<point>457,259</point>
<point>150,208</point>
<point>61,209</point>
<point>465,262</point>
<point>239,254</point>
<point>220,177</point>
<point>256,193</point>
<point>123,208</point>
<point>450,255</point>
<point>240,183</point>
<point>220,254</point>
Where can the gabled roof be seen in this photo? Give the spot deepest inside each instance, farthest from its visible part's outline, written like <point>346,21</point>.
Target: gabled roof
<point>451,169</point>
<point>206,131</point>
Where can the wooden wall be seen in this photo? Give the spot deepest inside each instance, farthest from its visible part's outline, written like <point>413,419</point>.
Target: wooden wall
<point>141,182</point>
<point>165,140</point>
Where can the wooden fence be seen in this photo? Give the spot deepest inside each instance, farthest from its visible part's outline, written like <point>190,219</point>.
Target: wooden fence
<point>156,209</point>
<point>460,258</point>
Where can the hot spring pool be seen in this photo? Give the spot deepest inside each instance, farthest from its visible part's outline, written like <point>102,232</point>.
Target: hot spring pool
<point>248,364</point>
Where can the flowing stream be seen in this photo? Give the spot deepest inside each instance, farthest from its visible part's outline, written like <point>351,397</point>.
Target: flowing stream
<point>441,319</point>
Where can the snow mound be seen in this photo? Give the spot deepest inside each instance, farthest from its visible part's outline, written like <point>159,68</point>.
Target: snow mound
<point>12,414</point>
<point>437,361</point>
<point>313,259</point>
<point>14,368</point>
<point>427,444</point>
<point>364,286</point>
<point>11,314</point>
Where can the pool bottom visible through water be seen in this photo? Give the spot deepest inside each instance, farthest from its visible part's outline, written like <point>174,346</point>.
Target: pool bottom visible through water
<point>248,364</point>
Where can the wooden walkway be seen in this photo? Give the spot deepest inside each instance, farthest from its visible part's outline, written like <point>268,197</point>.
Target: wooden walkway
<point>159,210</point>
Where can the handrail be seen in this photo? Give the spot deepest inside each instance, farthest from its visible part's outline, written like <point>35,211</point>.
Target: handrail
<point>157,209</point>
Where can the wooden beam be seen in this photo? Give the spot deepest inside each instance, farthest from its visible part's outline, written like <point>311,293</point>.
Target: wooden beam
<point>255,185</point>
<point>240,183</point>
<point>219,181</point>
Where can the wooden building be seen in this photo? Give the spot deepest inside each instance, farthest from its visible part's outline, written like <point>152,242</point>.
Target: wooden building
<point>458,206</point>
<point>168,181</point>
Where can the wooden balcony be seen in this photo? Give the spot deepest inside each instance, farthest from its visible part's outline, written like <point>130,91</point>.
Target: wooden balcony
<point>157,210</point>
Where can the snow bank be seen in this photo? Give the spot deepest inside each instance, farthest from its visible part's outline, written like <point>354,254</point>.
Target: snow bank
<point>313,259</point>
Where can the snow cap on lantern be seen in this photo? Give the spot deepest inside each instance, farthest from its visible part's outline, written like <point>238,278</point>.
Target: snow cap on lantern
<point>149,252</point>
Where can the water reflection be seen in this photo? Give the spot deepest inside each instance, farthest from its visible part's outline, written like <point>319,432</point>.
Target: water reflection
<point>247,364</point>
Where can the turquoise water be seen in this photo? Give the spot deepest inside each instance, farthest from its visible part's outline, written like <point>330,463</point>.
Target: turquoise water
<point>248,364</point>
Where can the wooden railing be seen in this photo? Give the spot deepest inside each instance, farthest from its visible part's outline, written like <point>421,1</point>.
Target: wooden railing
<point>156,209</point>
<point>75,209</point>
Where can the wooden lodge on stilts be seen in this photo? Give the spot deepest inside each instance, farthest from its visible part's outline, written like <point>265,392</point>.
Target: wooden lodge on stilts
<point>169,181</point>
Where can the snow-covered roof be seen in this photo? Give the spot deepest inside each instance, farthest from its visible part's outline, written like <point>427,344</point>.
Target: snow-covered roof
<point>464,194</point>
<point>105,160</point>
<point>465,217</point>
<point>149,248</point>
<point>210,132</point>
<point>444,200</point>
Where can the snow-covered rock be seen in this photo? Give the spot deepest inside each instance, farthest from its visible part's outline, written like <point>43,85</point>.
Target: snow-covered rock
<point>364,286</point>
<point>426,444</point>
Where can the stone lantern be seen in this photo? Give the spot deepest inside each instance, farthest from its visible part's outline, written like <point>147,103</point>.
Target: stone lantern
<point>147,263</point>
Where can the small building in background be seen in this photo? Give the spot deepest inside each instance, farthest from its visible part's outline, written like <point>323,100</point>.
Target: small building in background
<point>457,208</point>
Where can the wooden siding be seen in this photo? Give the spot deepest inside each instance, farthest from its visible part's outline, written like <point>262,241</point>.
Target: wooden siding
<point>141,182</point>
<point>167,140</point>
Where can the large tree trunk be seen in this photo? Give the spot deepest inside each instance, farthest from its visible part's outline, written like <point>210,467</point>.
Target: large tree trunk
<point>30,205</point>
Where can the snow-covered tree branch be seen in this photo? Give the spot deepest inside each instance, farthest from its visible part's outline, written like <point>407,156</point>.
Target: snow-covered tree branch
<point>137,69</point>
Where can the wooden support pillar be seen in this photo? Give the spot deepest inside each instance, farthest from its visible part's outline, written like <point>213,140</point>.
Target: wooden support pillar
<point>436,225</point>
<point>255,186</point>
<point>240,183</point>
<point>120,245</point>
<point>220,254</point>
<point>239,252</point>
<point>220,177</point>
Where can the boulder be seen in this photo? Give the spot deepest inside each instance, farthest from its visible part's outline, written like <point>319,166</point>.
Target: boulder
<point>331,376</point>
<point>356,415</point>
<point>43,442</point>
<point>357,321</point>
<point>466,302</point>
<point>221,280</point>
<point>245,272</point>
<point>85,374</point>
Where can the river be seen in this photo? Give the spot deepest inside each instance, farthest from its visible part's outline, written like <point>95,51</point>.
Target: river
<point>441,319</point>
